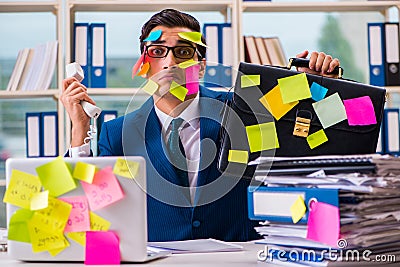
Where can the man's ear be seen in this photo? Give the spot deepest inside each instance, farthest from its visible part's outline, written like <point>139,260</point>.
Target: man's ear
<point>202,70</point>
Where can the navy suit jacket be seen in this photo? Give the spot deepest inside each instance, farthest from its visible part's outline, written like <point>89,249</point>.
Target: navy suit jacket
<point>220,207</point>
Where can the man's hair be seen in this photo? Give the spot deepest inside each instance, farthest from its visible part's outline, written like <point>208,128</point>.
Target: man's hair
<point>171,18</point>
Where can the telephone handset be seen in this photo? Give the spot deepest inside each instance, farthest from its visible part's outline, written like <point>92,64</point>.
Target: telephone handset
<point>75,70</point>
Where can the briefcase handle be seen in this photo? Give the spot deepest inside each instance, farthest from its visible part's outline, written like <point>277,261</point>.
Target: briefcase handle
<point>302,62</point>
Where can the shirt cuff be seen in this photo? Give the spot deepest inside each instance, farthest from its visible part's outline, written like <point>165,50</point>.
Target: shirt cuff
<point>79,151</point>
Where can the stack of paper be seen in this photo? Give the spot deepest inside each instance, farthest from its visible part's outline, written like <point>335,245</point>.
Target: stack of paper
<point>367,217</point>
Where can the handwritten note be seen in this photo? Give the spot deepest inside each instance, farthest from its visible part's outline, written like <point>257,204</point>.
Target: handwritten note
<point>317,139</point>
<point>150,87</point>
<point>298,209</point>
<point>84,171</point>
<point>126,168</point>
<point>178,91</point>
<point>153,36</point>
<point>21,188</point>
<point>18,226</point>
<point>323,223</point>
<point>102,248</point>
<point>294,88</point>
<point>145,68</point>
<point>330,110</point>
<point>56,177</point>
<point>318,92</point>
<point>104,190</point>
<point>194,37</point>
<point>272,101</point>
<point>78,219</point>
<point>360,111</point>
<point>249,80</point>
<point>56,214</point>
<point>192,79</point>
<point>55,252</point>
<point>239,156</point>
<point>262,137</point>
<point>40,200</point>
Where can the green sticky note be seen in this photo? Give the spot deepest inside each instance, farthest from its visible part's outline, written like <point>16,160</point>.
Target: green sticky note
<point>317,139</point>
<point>56,177</point>
<point>40,200</point>
<point>249,80</point>
<point>126,168</point>
<point>298,209</point>
<point>188,63</point>
<point>84,171</point>
<point>262,137</point>
<point>150,87</point>
<point>294,88</point>
<point>330,110</point>
<point>239,156</point>
<point>194,37</point>
<point>178,91</point>
<point>18,226</point>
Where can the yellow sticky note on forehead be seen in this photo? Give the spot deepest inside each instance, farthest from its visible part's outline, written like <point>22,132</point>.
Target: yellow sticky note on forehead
<point>126,168</point>
<point>194,37</point>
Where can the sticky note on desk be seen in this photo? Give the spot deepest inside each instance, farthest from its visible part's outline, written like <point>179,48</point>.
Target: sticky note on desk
<point>262,137</point>
<point>272,101</point>
<point>360,111</point>
<point>21,188</point>
<point>102,248</point>
<point>249,80</point>
<point>294,88</point>
<point>330,110</point>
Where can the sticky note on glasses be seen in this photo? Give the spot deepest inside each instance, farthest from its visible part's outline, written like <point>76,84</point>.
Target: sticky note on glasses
<point>153,36</point>
<point>150,87</point>
<point>178,91</point>
<point>194,37</point>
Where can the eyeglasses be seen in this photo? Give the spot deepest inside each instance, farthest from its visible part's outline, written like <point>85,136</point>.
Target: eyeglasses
<point>161,51</point>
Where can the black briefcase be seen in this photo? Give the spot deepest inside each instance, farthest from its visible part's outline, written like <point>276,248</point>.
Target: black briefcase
<point>245,109</point>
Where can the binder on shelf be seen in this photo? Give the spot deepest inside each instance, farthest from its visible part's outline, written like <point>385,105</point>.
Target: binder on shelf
<point>33,137</point>
<point>392,54</point>
<point>376,55</point>
<point>274,203</point>
<point>250,50</point>
<point>81,48</point>
<point>49,134</point>
<point>98,69</point>
<point>210,32</point>
<point>262,51</point>
<point>391,131</point>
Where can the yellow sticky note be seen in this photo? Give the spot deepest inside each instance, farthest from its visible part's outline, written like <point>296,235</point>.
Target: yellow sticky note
<point>21,188</point>
<point>178,91</point>
<point>150,87</point>
<point>84,171</point>
<point>294,88</point>
<point>239,156</point>
<point>317,139</point>
<point>126,168</point>
<point>40,200</point>
<point>188,63</point>
<point>18,226</point>
<point>272,101</point>
<point>145,68</point>
<point>56,214</point>
<point>55,252</point>
<point>78,237</point>
<point>262,137</point>
<point>194,37</point>
<point>249,80</point>
<point>56,177</point>
<point>298,209</point>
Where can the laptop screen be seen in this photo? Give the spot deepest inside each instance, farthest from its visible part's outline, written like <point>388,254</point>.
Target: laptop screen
<point>80,209</point>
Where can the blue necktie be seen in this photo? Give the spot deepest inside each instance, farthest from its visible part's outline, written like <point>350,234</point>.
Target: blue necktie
<point>177,153</point>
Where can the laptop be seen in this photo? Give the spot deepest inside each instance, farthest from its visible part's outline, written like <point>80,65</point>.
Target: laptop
<point>128,215</point>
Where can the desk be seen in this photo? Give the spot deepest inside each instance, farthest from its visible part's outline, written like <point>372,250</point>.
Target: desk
<point>245,258</point>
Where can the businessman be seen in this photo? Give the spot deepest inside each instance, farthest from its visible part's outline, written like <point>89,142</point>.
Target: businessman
<point>188,198</point>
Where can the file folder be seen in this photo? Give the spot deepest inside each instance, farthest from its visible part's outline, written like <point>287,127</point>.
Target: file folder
<point>273,203</point>
<point>98,68</point>
<point>392,54</point>
<point>49,134</point>
<point>32,126</point>
<point>391,131</point>
<point>376,54</point>
<point>80,51</point>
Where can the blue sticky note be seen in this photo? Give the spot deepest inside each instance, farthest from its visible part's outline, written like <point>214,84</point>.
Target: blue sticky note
<point>318,92</point>
<point>154,36</point>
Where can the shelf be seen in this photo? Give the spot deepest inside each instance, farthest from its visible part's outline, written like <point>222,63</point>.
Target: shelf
<point>115,91</point>
<point>29,6</point>
<point>28,94</point>
<point>392,89</point>
<point>149,5</point>
<point>342,6</point>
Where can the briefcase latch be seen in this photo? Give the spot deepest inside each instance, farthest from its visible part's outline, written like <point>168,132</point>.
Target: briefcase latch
<point>302,125</point>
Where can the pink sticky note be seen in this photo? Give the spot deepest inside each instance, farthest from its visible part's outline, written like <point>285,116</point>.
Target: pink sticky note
<point>104,190</point>
<point>136,67</point>
<point>102,248</point>
<point>192,79</point>
<point>360,111</point>
<point>323,223</point>
<point>79,219</point>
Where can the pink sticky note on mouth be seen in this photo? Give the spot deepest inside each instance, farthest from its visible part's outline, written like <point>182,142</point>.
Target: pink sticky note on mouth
<point>192,79</point>
<point>102,248</point>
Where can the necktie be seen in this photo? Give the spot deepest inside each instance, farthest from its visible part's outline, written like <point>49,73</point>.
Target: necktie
<point>176,152</point>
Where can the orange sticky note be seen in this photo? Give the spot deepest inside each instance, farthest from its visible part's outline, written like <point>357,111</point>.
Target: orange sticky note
<point>272,101</point>
<point>145,68</point>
